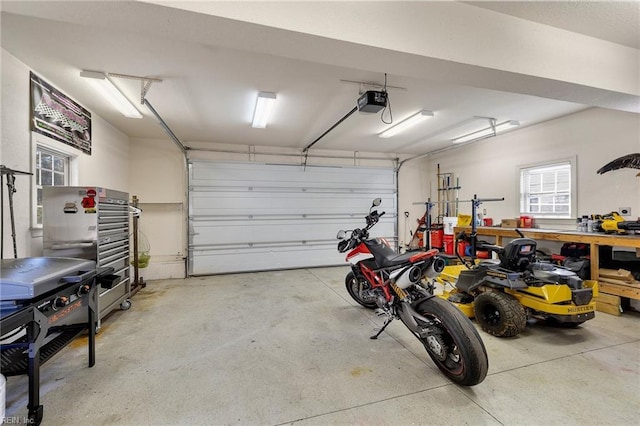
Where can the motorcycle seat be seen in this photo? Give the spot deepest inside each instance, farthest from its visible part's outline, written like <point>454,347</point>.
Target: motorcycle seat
<point>387,257</point>
<point>396,259</point>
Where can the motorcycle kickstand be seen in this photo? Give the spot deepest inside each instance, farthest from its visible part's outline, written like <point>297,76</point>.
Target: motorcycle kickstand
<point>386,323</point>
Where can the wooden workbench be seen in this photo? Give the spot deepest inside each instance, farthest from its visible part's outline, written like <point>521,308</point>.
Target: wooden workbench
<point>594,239</point>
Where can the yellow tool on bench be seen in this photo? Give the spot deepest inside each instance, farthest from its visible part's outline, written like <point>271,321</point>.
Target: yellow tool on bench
<point>613,222</point>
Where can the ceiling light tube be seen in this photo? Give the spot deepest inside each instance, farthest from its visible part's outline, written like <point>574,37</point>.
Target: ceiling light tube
<point>488,132</point>
<point>264,108</point>
<point>108,90</point>
<point>406,123</point>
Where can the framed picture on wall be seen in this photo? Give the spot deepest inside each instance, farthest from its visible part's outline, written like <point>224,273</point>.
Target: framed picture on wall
<point>55,115</point>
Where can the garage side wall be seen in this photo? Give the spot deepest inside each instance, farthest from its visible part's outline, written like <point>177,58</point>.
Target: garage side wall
<point>107,166</point>
<point>594,137</point>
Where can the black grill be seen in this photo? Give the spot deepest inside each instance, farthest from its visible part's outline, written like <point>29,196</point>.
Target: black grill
<point>15,361</point>
<point>45,304</point>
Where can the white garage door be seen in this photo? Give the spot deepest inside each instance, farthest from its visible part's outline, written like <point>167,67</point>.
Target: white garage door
<point>256,217</point>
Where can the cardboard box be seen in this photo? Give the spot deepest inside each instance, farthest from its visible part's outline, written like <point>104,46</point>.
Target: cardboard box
<point>509,223</point>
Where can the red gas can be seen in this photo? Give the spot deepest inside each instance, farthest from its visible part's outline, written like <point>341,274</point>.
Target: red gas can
<point>462,248</point>
<point>526,222</point>
<point>448,244</point>
<point>436,238</point>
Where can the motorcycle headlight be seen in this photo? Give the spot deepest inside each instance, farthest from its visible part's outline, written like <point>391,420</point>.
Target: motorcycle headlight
<point>343,245</point>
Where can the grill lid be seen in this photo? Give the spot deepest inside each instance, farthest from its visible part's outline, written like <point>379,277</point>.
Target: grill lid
<point>31,277</point>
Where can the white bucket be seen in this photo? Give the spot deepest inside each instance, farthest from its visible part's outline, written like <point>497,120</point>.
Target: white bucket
<point>449,223</point>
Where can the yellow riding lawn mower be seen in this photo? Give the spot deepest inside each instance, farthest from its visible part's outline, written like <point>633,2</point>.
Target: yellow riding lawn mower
<point>503,293</point>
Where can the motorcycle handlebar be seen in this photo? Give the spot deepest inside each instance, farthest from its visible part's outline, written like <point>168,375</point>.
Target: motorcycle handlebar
<point>372,218</point>
<point>361,234</point>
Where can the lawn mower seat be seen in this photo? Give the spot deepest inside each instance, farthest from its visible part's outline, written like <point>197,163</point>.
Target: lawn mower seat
<point>518,254</point>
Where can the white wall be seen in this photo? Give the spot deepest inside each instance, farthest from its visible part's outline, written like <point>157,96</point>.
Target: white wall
<point>158,178</point>
<point>15,150</point>
<point>414,181</point>
<point>595,136</point>
<point>107,166</point>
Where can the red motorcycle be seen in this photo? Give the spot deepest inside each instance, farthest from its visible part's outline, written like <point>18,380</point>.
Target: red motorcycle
<point>398,286</point>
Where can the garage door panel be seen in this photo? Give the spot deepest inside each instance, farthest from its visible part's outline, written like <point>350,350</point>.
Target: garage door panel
<point>264,258</point>
<point>251,216</point>
<point>288,176</point>
<point>279,231</point>
<point>277,203</point>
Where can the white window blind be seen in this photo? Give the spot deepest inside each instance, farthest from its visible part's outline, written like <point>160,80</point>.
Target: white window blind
<point>546,190</point>
<point>52,169</point>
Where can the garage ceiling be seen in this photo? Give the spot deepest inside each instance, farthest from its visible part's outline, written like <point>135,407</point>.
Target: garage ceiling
<point>214,57</point>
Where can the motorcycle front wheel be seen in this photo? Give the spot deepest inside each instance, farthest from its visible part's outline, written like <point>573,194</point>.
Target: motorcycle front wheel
<point>353,288</point>
<point>455,345</point>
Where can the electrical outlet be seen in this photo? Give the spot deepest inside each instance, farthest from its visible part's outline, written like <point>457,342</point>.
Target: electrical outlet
<point>624,211</point>
<point>484,212</point>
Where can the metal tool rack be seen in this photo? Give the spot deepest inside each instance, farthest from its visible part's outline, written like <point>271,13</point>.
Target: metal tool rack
<point>11,189</point>
<point>448,193</point>
<point>475,203</point>
<point>447,204</point>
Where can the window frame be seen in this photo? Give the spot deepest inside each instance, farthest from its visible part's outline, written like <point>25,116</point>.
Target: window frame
<point>573,207</point>
<point>41,142</point>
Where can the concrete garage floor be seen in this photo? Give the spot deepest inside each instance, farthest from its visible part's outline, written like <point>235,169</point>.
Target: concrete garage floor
<point>291,347</point>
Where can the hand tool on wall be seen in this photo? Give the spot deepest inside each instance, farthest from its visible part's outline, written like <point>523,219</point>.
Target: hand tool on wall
<point>11,189</point>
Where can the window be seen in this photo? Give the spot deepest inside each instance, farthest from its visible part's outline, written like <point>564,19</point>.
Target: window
<point>548,190</point>
<point>52,169</point>
<point>54,163</point>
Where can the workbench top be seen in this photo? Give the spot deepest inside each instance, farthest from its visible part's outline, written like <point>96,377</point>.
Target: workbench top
<point>598,238</point>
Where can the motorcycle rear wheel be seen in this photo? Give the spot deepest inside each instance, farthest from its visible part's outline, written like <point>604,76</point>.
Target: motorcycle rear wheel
<point>456,348</point>
<point>353,288</point>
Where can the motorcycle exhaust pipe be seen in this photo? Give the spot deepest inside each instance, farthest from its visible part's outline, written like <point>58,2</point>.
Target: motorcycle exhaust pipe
<point>436,267</point>
<point>408,276</point>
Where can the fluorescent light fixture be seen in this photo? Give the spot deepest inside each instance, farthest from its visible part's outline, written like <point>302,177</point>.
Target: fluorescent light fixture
<point>264,108</point>
<point>406,123</point>
<point>108,90</point>
<point>488,132</point>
